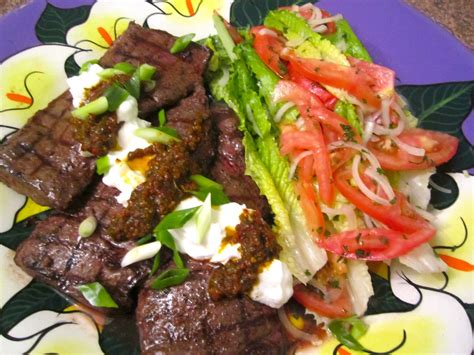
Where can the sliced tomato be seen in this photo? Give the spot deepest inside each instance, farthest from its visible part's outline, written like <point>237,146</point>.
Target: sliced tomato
<point>309,204</point>
<point>311,107</point>
<point>313,300</point>
<point>354,81</point>
<point>307,13</point>
<point>439,148</point>
<point>383,77</point>
<point>328,99</point>
<point>330,25</point>
<point>268,48</point>
<point>399,216</point>
<point>375,244</point>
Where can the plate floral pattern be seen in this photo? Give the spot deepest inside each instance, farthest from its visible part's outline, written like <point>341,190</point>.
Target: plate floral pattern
<point>409,313</point>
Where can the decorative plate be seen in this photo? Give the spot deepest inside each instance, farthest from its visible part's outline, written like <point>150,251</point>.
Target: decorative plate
<point>46,41</point>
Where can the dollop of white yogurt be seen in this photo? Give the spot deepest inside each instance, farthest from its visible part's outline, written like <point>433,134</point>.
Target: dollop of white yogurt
<point>274,286</point>
<point>210,247</point>
<point>78,85</point>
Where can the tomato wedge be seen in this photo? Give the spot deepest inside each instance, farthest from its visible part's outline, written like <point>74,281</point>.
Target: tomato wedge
<point>375,244</point>
<point>313,300</point>
<point>328,99</point>
<point>354,81</point>
<point>383,77</point>
<point>311,107</point>
<point>439,148</point>
<point>268,48</point>
<point>399,216</point>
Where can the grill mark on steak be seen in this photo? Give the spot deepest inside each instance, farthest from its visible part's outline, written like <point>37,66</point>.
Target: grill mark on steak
<point>44,161</point>
<point>183,319</point>
<point>229,165</point>
<point>57,256</point>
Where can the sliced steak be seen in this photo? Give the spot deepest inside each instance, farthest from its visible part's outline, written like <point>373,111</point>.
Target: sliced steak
<point>177,75</point>
<point>56,255</point>
<point>184,320</point>
<point>229,165</point>
<point>43,160</point>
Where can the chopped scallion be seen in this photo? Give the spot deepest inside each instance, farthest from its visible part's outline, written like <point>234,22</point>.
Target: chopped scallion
<point>110,72</point>
<point>169,131</point>
<point>224,36</point>
<point>149,85</point>
<point>141,252</point>
<point>146,72</point>
<point>154,135</point>
<point>115,95</point>
<point>218,197</point>
<point>169,278</point>
<point>182,43</point>
<point>127,68</point>
<point>205,182</point>
<point>343,329</point>
<point>203,218</point>
<point>87,227</point>
<point>172,220</point>
<point>102,165</point>
<point>96,107</point>
<point>85,67</point>
<point>162,117</point>
<point>97,295</point>
<point>133,85</point>
<point>144,239</point>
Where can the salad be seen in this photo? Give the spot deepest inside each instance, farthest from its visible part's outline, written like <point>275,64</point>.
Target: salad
<point>335,150</point>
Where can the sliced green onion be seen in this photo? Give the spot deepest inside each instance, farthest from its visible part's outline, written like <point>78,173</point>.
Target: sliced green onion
<point>182,43</point>
<point>177,259</point>
<point>224,36</point>
<point>218,197</point>
<point>146,72</point>
<point>162,117</point>
<point>169,131</point>
<point>205,182</point>
<point>156,264</point>
<point>96,107</point>
<point>115,95</point>
<point>127,68</point>
<point>144,239</point>
<point>97,295</point>
<point>149,85</point>
<point>203,219</point>
<point>141,252</point>
<point>154,135</point>
<point>110,72</point>
<point>169,278</point>
<point>172,220</point>
<point>133,85</point>
<point>102,165</point>
<point>87,227</point>
<point>342,330</point>
<point>85,67</point>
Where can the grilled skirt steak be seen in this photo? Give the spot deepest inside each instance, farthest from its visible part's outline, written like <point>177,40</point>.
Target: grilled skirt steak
<point>229,165</point>
<point>43,159</point>
<point>56,255</point>
<point>184,320</point>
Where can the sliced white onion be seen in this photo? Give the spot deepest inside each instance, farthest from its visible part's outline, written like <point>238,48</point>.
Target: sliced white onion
<point>296,161</point>
<point>392,132</point>
<point>267,32</point>
<point>224,79</point>
<point>382,181</point>
<point>425,214</point>
<point>318,14</point>
<point>346,210</point>
<point>141,252</point>
<point>369,223</point>
<point>320,29</point>
<point>295,8</point>
<point>251,118</point>
<point>385,108</point>
<point>423,260</point>
<point>367,154</point>
<point>360,285</point>
<point>295,42</point>
<point>439,188</point>
<point>363,188</point>
<point>368,131</point>
<point>325,20</point>
<point>281,112</point>
<point>399,111</point>
<point>299,123</point>
<point>418,152</point>
<point>284,52</point>
<point>295,332</point>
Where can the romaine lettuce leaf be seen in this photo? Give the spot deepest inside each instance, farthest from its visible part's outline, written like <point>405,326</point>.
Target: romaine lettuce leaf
<point>348,111</point>
<point>346,40</point>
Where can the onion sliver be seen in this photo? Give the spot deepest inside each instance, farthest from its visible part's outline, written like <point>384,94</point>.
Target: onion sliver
<point>419,152</point>
<point>325,20</point>
<point>392,132</point>
<point>363,188</point>
<point>346,210</point>
<point>368,131</point>
<point>367,154</point>
<point>439,188</point>
<point>139,253</point>
<point>295,332</point>
<point>386,112</point>
<point>281,112</point>
<point>296,161</point>
<point>267,32</point>
<point>320,29</point>
<point>382,181</point>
